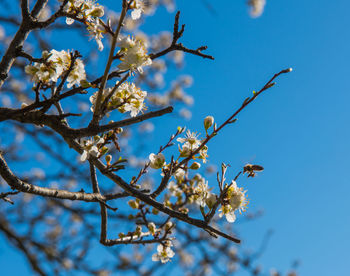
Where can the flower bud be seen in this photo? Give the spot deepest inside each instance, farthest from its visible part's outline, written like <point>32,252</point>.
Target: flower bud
<point>180,129</point>
<point>85,84</point>
<point>195,166</point>
<point>184,210</point>
<point>98,11</point>
<point>168,243</point>
<point>133,204</point>
<point>168,225</point>
<point>138,230</point>
<point>185,151</point>
<point>156,161</point>
<point>155,211</point>
<point>108,159</point>
<point>104,150</point>
<point>152,228</point>
<point>208,122</point>
<point>179,175</point>
<point>211,200</point>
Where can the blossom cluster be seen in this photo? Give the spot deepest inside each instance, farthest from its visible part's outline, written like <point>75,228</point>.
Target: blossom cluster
<point>235,199</point>
<point>196,189</point>
<point>54,65</point>
<point>133,54</point>
<point>190,144</point>
<point>86,10</point>
<point>164,252</point>
<point>138,8</point>
<point>89,12</point>
<point>90,147</point>
<point>126,98</point>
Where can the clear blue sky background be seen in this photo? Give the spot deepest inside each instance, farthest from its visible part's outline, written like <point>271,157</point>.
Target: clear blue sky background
<point>298,130</point>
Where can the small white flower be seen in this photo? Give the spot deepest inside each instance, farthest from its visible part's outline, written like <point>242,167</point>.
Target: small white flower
<point>134,55</point>
<point>157,161</point>
<point>191,138</point>
<point>228,212</point>
<point>137,9</point>
<point>164,254</point>
<point>96,31</point>
<point>77,74</point>
<point>126,42</point>
<point>90,147</point>
<point>179,174</point>
<point>136,14</point>
<point>174,189</point>
<point>185,151</point>
<point>127,98</point>
<point>236,199</point>
<point>203,153</point>
<point>202,193</point>
<point>152,228</point>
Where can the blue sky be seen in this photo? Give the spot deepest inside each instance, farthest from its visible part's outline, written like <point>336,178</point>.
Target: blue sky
<point>298,130</point>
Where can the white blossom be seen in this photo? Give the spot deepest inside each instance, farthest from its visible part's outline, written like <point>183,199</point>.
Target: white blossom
<point>77,74</point>
<point>237,197</point>
<point>179,174</point>
<point>152,228</point>
<point>137,7</point>
<point>84,9</point>
<point>90,147</point>
<point>55,64</point>
<point>237,200</point>
<point>228,212</point>
<point>134,55</point>
<point>174,189</point>
<point>203,153</point>
<point>202,193</point>
<point>157,161</point>
<point>126,98</point>
<point>96,31</point>
<point>164,254</point>
<point>191,139</point>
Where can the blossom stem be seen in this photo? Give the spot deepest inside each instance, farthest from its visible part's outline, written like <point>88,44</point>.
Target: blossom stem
<point>109,64</point>
<point>246,102</point>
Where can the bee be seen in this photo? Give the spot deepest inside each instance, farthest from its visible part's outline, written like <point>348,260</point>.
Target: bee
<point>252,169</point>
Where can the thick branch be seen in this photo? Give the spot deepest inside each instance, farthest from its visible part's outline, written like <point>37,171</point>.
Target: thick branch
<point>53,121</point>
<point>16,183</point>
